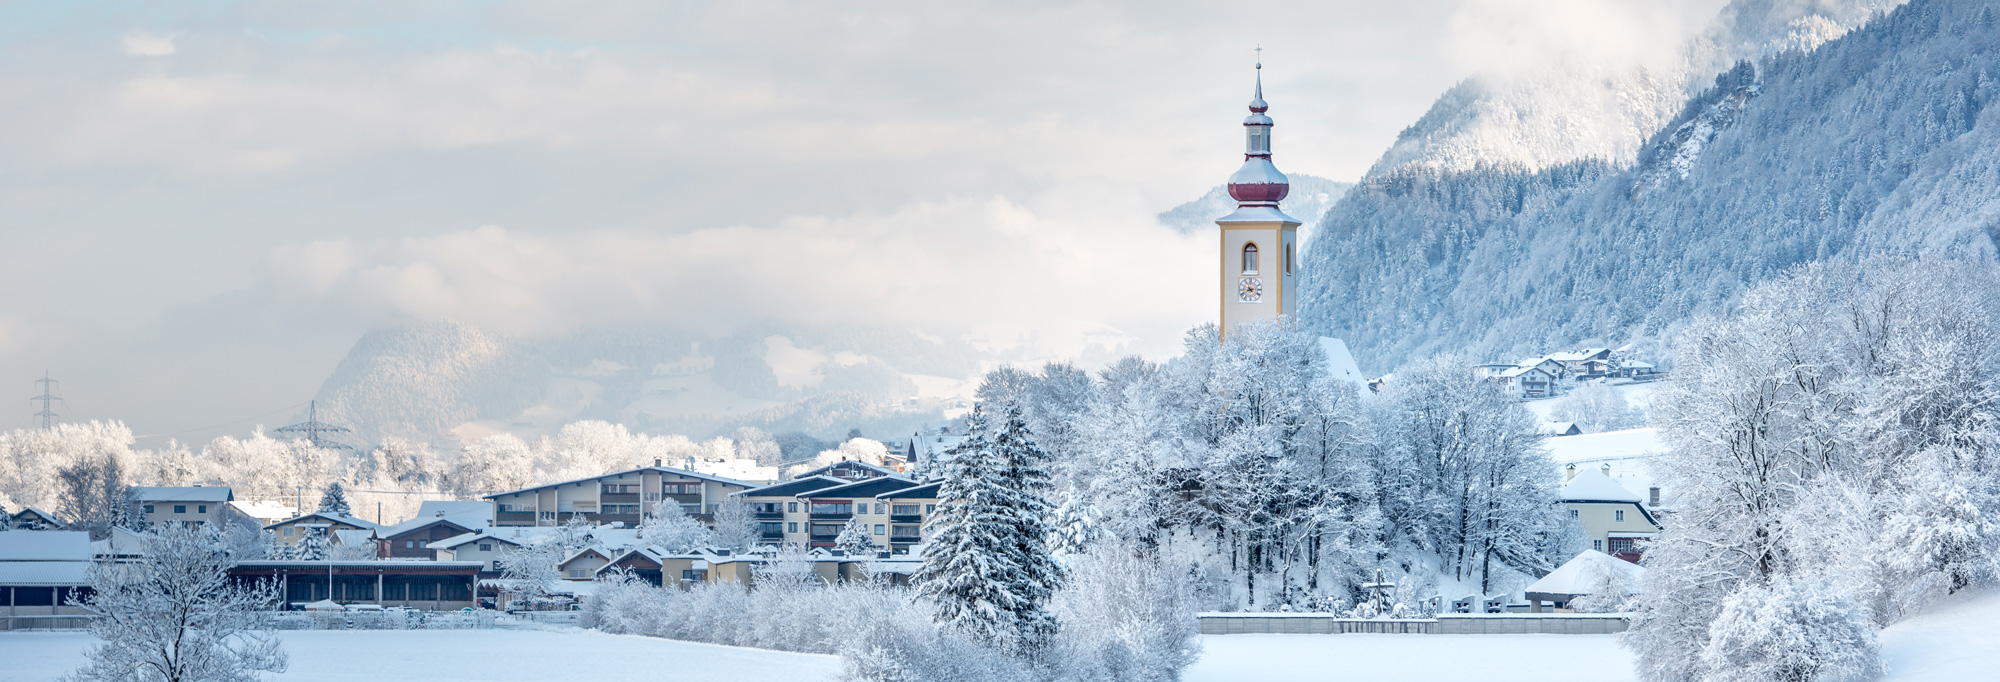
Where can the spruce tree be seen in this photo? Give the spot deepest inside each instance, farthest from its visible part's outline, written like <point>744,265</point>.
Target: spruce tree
<point>1024,470</point>
<point>854,539</point>
<point>334,500</point>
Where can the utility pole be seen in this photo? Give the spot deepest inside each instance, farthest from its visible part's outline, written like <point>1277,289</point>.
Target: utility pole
<point>48,399</point>
<point>314,431</point>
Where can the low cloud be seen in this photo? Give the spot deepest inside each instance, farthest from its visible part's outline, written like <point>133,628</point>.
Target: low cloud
<point>148,44</point>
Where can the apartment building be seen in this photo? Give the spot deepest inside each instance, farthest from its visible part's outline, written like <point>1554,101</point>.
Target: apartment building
<point>621,497</point>
<point>812,511</point>
<point>778,510</point>
<point>187,504</point>
<point>909,508</point>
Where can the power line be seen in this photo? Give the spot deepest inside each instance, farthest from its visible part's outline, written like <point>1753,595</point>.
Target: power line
<point>317,432</point>
<point>286,408</point>
<point>49,399</point>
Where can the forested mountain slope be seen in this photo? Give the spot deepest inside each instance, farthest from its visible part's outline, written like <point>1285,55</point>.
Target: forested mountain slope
<point>1879,141</point>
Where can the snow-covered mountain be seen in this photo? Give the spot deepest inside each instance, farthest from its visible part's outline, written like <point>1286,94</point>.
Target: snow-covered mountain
<point>442,381</point>
<point>1876,142</point>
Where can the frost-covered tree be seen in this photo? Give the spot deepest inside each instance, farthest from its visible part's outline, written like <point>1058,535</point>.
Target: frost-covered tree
<point>1075,527</point>
<point>1792,630</point>
<point>1597,407</point>
<point>671,529</point>
<point>530,571</point>
<point>735,526</point>
<point>854,539</point>
<point>333,500</point>
<point>315,546</point>
<point>95,495</point>
<point>175,615</point>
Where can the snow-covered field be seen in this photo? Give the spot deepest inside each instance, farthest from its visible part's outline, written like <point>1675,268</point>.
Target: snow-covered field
<point>1957,642</point>
<point>499,655</point>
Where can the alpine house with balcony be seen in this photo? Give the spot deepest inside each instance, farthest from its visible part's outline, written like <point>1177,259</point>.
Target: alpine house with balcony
<point>624,496</point>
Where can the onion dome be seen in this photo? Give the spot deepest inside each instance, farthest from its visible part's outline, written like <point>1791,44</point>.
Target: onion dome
<point>1258,183</point>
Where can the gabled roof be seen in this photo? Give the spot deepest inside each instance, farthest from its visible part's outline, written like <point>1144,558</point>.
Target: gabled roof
<point>864,488</point>
<point>1524,369</point>
<point>1590,485</point>
<point>927,490</point>
<point>463,522</point>
<point>195,493</point>
<point>587,550</point>
<point>39,513</point>
<point>793,487</point>
<point>456,541</point>
<point>430,509</point>
<point>664,470</point>
<point>339,518</point>
<point>1586,572</point>
<point>354,538</point>
<point>649,553</point>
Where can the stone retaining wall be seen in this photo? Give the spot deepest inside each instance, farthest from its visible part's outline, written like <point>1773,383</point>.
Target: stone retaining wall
<point>1452,624</point>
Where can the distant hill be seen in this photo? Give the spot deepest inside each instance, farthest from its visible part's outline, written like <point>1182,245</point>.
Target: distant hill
<point>1310,197</point>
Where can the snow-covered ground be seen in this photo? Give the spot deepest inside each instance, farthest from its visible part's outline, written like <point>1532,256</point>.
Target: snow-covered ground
<point>1956,641</point>
<point>356,655</point>
<point>1412,658</point>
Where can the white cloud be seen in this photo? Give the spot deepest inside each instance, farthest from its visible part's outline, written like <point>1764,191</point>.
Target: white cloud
<point>148,44</point>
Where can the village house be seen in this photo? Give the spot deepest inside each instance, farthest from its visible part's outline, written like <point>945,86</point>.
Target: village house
<point>33,518</point>
<point>1528,382</point>
<point>435,520</point>
<point>290,532</point>
<point>187,504</point>
<point>1614,520</point>
<point>621,497</point>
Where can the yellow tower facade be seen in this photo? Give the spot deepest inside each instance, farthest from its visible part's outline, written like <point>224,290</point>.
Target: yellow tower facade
<point>1259,247</point>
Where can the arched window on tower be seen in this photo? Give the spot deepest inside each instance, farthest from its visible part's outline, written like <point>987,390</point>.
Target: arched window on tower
<point>1288,259</point>
<point>1250,258</point>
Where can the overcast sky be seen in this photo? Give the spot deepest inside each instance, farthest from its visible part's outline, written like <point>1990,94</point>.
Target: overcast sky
<point>204,206</point>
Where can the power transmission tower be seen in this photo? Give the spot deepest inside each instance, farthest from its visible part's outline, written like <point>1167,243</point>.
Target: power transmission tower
<point>314,431</point>
<point>48,399</point>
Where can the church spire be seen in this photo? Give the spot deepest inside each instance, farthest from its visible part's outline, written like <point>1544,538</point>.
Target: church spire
<point>1258,183</point>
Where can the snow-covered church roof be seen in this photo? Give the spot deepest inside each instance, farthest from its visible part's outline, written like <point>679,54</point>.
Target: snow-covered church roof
<point>1591,484</point>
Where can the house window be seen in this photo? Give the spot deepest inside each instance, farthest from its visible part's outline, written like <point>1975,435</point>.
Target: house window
<point>878,507</point>
<point>906,510</point>
<point>578,573</point>
<point>1618,515</point>
<point>1250,258</point>
<point>149,508</point>
<point>832,508</point>
<point>1572,514</point>
<point>908,533</point>
<point>770,528</point>
<point>792,507</point>
<point>409,544</point>
<point>930,508</point>
<point>1597,545</point>
<point>878,529</point>
<point>825,529</point>
<point>486,547</point>
<point>180,509</point>
<point>791,526</point>
<point>203,509</point>
<point>681,488</point>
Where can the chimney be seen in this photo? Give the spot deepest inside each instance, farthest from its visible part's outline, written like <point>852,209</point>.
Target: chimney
<point>1607,468</point>
<point>1654,494</point>
<point>1569,473</point>
<point>656,461</point>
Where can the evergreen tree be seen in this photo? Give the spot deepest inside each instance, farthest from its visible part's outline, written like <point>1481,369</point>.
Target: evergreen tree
<point>314,546</point>
<point>334,500</point>
<point>1024,469</point>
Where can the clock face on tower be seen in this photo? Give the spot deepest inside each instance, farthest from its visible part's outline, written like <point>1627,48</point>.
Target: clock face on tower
<point>1250,290</point>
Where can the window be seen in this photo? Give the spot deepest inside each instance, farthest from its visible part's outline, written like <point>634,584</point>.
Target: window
<point>791,526</point>
<point>578,573</point>
<point>905,510</point>
<point>486,547</point>
<point>1250,258</point>
<point>878,529</point>
<point>770,528</point>
<point>409,544</point>
<point>149,508</point>
<point>1288,259</point>
<point>1622,546</point>
<point>203,509</point>
<point>930,508</point>
<point>681,488</point>
<point>837,508</point>
<point>1572,514</point>
<point>878,507</point>
<point>621,488</point>
<point>1597,545</point>
<point>906,533</point>
<point>792,507</point>
<point>1618,515</point>
<point>826,529</point>
<point>767,508</point>
<point>180,509</point>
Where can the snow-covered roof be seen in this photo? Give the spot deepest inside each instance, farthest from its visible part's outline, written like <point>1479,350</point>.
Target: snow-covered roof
<point>661,469</point>
<point>1257,214</point>
<point>1591,484</point>
<point>120,542</point>
<point>38,573</point>
<point>1518,371</point>
<point>927,490</point>
<point>264,509</point>
<point>195,493</point>
<point>326,516</point>
<point>467,521</point>
<point>868,487</point>
<point>1635,364</point>
<point>1558,428</point>
<point>44,545</point>
<point>1340,362</point>
<point>793,487</point>
<point>465,538</point>
<point>1590,447</point>
<point>354,538</point>
<point>1584,573</point>
<point>39,513</point>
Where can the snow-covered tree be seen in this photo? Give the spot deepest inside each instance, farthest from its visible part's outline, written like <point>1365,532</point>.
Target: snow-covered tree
<point>315,546</point>
<point>735,526</point>
<point>94,495</point>
<point>1075,527</point>
<point>1792,630</point>
<point>333,500</point>
<point>671,529</point>
<point>530,571</point>
<point>854,539</point>
<point>175,615</point>
<point>1596,407</point>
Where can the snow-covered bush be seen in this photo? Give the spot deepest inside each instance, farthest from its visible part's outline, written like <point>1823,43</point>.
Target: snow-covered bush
<point>1792,631</point>
<point>1125,617</point>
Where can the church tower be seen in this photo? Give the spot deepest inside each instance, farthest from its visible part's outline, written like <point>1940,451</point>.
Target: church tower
<point>1259,242</point>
